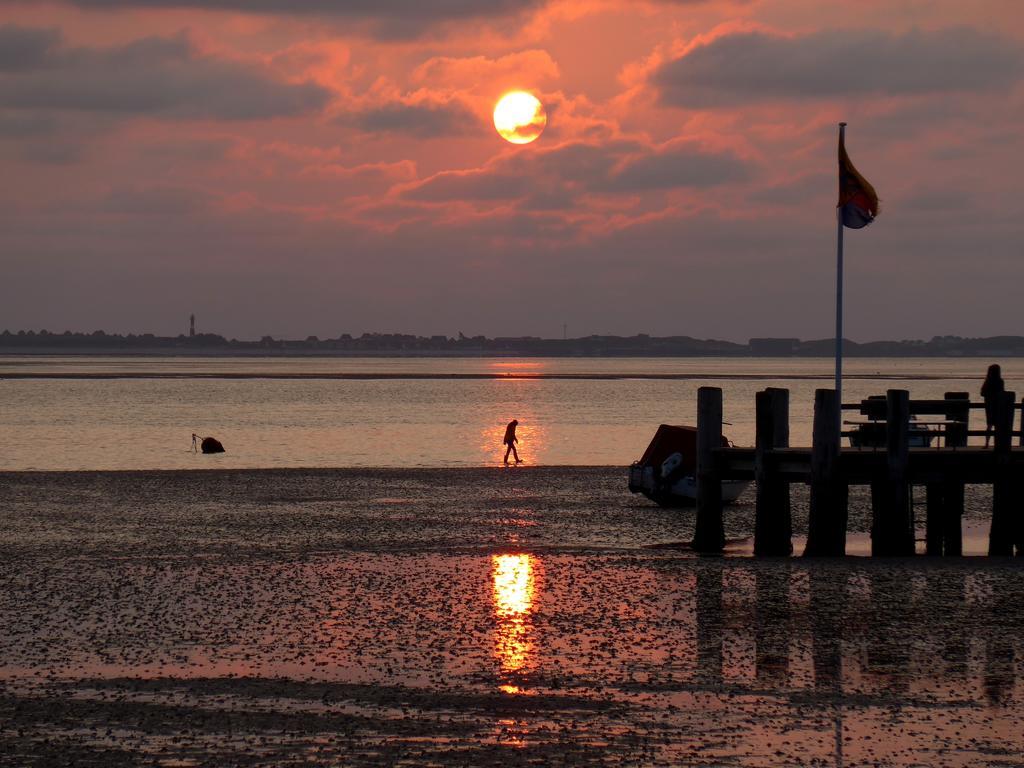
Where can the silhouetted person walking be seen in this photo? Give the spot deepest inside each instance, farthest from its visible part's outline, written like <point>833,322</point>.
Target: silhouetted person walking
<point>510,440</point>
<point>992,390</point>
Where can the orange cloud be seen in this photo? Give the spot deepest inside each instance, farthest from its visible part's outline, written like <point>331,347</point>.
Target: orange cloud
<point>526,69</point>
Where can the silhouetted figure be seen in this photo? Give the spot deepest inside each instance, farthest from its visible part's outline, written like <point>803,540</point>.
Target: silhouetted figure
<point>208,444</point>
<point>510,440</point>
<point>992,390</point>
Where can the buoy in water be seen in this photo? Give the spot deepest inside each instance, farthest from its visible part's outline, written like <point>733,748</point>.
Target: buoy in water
<point>211,445</point>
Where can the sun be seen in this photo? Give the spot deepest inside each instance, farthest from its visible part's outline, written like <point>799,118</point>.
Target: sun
<point>520,117</point>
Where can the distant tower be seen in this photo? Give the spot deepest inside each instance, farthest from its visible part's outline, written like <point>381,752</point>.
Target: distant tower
<point>191,325</point>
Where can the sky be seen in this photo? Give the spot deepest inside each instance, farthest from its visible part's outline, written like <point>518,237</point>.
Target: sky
<point>331,166</point>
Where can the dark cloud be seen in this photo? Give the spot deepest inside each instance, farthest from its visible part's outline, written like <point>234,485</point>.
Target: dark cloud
<point>53,152</point>
<point>794,191</point>
<point>937,201</point>
<point>24,48</point>
<point>19,125</point>
<point>422,120</point>
<point>482,185</point>
<point>679,165</point>
<point>155,201</point>
<point>382,18</point>
<point>190,150</point>
<point>586,165</point>
<point>563,173</point>
<point>155,75</point>
<point>359,9</point>
<point>752,66</point>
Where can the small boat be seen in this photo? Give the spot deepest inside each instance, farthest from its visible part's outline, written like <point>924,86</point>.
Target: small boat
<point>871,434</point>
<point>666,474</point>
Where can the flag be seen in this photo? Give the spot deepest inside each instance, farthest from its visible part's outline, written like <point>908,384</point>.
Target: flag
<point>858,203</point>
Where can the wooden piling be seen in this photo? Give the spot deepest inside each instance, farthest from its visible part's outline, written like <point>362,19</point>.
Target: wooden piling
<point>891,473</point>
<point>1004,423</point>
<point>826,528</point>
<point>958,411</point>
<point>944,499</point>
<point>1001,534</point>
<point>1021,431</point>
<point>773,526</point>
<point>1018,517</point>
<point>709,532</point>
<point>892,533</point>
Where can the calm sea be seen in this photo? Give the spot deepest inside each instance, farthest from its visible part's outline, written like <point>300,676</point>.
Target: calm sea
<point>140,412</point>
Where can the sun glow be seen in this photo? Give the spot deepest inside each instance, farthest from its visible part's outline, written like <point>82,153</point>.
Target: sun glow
<point>520,117</point>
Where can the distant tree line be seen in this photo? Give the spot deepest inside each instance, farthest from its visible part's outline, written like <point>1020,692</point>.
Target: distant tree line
<point>640,345</point>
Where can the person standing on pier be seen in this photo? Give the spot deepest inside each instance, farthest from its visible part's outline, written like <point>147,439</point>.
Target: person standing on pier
<point>510,440</point>
<point>991,391</point>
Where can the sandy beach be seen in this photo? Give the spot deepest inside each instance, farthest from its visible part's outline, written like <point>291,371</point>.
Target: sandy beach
<point>476,617</point>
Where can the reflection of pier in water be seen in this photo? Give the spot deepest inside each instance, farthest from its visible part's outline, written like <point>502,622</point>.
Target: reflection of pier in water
<point>855,638</point>
<point>827,627</point>
<point>875,630</point>
<point>844,658</point>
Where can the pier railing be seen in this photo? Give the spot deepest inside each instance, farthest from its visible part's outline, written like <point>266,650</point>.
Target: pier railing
<point>894,455</point>
<point>946,420</point>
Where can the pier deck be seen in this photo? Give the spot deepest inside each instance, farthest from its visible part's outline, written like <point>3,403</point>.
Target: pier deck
<point>941,462</point>
<point>859,466</point>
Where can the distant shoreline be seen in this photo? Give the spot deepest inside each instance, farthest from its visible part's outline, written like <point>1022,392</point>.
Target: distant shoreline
<point>385,354</point>
<point>476,376</point>
<point>371,345</point>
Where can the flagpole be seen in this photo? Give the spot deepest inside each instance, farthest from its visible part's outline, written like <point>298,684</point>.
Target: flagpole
<point>839,298</point>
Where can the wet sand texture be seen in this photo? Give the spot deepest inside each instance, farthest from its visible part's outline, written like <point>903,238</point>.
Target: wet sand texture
<point>475,617</point>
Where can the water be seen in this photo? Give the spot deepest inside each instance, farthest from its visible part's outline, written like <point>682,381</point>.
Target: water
<point>140,412</point>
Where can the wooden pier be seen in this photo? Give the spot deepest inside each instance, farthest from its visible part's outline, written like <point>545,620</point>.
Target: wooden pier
<point>886,459</point>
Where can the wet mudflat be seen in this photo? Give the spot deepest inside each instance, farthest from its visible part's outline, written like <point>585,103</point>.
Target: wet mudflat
<point>475,617</point>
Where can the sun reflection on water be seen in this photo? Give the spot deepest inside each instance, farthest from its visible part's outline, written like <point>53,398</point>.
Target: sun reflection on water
<point>514,366</point>
<point>515,580</point>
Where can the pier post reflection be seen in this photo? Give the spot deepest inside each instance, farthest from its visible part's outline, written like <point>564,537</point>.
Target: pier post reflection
<point>888,647</point>
<point>1000,672</point>
<point>826,651</point>
<point>956,641</point>
<point>771,627</point>
<point>709,623</point>
<point>827,606</point>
